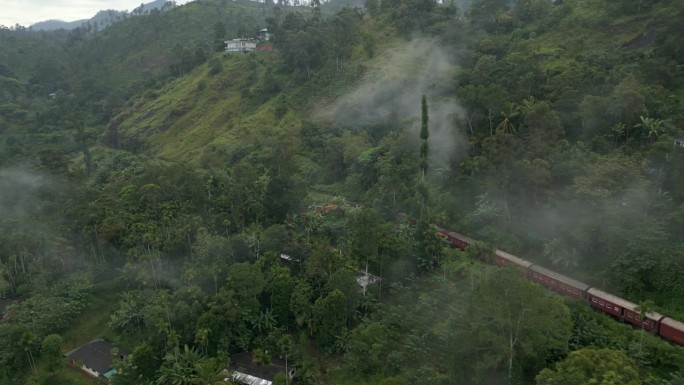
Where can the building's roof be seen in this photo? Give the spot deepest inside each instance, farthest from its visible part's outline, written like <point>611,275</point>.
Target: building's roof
<point>247,372</point>
<point>245,378</point>
<point>96,355</point>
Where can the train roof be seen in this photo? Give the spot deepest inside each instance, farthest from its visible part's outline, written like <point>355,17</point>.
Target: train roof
<point>673,323</point>
<point>612,298</point>
<point>622,302</point>
<point>560,277</point>
<point>462,237</point>
<point>512,258</point>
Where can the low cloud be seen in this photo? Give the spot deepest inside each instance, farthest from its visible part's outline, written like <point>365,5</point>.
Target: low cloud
<point>18,189</point>
<point>391,93</point>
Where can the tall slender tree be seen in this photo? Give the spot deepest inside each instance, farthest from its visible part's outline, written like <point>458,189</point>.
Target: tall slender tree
<point>424,135</point>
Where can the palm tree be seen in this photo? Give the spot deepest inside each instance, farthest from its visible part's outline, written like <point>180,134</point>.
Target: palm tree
<point>286,346</point>
<point>180,367</point>
<point>528,105</point>
<point>261,357</point>
<point>209,372</point>
<point>264,322</point>
<point>652,126</point>
<point>28,341</point>
<point>510,112</point>
<point>130,312</point>
<point>202,338</point>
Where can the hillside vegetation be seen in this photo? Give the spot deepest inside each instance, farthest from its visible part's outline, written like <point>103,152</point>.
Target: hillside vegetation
<point>152,185</point>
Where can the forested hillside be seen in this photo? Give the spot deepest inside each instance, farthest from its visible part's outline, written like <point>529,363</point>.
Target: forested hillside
<point>195,206</point>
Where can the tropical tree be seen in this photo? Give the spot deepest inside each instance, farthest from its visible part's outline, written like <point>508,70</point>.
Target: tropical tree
<point>644,308</point>
<point>330,317</point>
<point>512,319</point>
<point>300,303</point>
<point>592,366</point>
<point>130,314</point>
<point>202,338</point>
<point>653,127</point>
<point>510,112</point>
<point>28,343</point>
<point>424,135</point>
<point>365,348</point>
<point>210,371</point>
<point>180,367</point>
<point>286,347</point>
<point>51,351</point>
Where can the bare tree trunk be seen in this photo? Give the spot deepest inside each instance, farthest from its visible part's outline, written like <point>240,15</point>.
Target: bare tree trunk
<point>491,126</point>
<point>469,119</point>
<point>32,362</point>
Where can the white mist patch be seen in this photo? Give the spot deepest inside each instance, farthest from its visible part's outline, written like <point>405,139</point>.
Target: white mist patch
<point>391,92</point>
<point>18,189</point>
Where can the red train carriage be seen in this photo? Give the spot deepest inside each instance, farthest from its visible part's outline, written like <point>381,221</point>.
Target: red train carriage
<point>672,330</point>
<point>459,241</point>
<point>607,303</point>
<point>558,282</point>
<point>651,320</point>
<point>444,234</point>
<point>623,309</point>
<point>503,258</point>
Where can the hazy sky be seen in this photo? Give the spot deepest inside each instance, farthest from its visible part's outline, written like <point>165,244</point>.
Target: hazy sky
<point>27,12</point>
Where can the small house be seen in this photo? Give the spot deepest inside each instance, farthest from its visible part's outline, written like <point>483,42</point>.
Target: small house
<point>248,372</point>
<point>679,142</point>
<point>96,358</point>
<point>264,35</point>
<point>240,45</point>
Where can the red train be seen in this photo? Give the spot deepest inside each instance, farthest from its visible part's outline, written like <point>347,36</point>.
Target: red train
<point>666,327</point>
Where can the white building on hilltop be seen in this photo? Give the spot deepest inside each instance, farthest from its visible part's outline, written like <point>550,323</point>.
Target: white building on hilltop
<point>240,45</point>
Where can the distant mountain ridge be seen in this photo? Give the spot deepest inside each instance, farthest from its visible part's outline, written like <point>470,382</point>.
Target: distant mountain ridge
<point>103,18</point>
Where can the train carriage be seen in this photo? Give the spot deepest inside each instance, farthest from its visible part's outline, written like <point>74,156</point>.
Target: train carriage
<point>623,309</point>
<point>651,320</point>
<point>668,328</point>
<point>558,282</point>
<point>502,258</point>
<point>672,330</point>
<point>444,234</point>
<point>459,241</point>
<point>607,303</point>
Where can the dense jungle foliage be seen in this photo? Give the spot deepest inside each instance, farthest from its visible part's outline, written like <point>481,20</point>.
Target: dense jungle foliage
<point>152,185</point>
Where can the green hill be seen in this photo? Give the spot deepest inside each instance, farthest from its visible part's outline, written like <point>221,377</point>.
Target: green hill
<point>202,191</point>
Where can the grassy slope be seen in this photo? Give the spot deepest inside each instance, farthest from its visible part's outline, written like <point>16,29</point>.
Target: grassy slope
<point>587,29</point>
<point>201,114</point>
